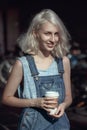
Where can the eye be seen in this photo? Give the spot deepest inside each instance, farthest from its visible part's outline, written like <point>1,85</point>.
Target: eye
<point>47,33</point>
<point>57,34</point>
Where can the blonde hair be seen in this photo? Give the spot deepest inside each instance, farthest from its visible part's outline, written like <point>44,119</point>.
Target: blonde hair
<point>29,43</point>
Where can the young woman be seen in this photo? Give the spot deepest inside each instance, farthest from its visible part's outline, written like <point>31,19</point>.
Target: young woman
<point>44,68</point>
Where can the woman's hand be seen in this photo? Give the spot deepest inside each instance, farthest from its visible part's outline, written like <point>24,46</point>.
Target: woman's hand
<point>46,103</point>
<point>60,110</point>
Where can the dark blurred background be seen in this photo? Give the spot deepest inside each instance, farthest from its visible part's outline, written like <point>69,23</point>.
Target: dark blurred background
<point>15,16</point>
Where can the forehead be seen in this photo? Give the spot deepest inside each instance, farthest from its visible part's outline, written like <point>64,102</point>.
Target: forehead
<point>47,26</point>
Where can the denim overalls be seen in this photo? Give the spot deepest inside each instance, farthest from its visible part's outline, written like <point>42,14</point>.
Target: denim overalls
<point>36,118</point>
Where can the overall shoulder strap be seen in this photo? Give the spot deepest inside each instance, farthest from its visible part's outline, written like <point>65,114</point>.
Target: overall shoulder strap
<point>33,69</point>
<point>27,88</point>
<point>60,65</point>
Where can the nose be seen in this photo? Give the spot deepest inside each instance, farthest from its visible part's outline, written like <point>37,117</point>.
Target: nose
<point>52,38</point>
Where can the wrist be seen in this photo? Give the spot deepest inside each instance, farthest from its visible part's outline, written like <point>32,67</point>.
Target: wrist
<point>64,105</point>
<point>35,102</point>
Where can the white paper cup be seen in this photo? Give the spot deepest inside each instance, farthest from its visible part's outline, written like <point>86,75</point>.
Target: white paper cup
<point>53,94</point>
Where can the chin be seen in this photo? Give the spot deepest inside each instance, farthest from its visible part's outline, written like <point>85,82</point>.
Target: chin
<point>50,49</point>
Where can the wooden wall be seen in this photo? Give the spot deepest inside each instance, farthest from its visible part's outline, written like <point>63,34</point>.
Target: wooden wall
<point>2,50</point>
<point>9,29</point>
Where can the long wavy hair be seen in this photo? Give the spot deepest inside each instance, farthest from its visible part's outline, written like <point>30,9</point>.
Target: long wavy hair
<point>28,43</point>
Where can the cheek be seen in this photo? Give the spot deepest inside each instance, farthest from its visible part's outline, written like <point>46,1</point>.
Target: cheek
<point>43,38</point>
<point>57,40</point>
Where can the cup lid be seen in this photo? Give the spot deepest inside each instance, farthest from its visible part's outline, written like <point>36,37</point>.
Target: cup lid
<point>52,93</point>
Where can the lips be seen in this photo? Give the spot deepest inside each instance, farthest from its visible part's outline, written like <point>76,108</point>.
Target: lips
<point>50,45</point>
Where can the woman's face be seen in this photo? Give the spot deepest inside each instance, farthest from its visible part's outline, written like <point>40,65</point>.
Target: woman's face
<point>48,37</point>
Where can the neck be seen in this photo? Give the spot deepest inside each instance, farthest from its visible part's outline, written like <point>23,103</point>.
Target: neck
<point>44,54</point>
<point>48,58</point>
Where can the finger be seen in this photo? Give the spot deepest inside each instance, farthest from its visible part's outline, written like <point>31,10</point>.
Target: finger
<point>59,113</point>
<point>46,109</point>
<point>50,98</point>
<point>51,102</point>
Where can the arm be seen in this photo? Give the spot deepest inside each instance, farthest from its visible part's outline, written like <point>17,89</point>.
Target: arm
<point>67,82</point>
<point>14,80</point>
